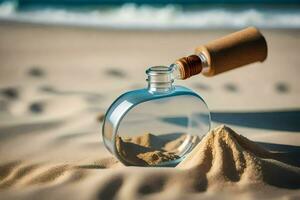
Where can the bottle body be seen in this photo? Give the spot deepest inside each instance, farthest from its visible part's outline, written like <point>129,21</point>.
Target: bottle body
<point>158,128</point>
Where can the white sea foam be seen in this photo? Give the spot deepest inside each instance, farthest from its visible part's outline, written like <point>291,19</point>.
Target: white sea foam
<point>147,17</point>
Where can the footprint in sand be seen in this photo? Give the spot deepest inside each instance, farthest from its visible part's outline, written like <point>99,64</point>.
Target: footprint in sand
<point>230,87</point>
<point>10,92</point>
<point>111,188</point>
<point>152,184</point>
<point>36,72</point>
<point>114,72</point>
<point>282,87</point>
<point>36,107</point>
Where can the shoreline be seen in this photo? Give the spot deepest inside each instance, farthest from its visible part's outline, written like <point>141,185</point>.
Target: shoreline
<point>6,22</point>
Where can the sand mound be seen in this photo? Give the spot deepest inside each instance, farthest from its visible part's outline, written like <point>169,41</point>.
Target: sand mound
<point>146,140</point>
<point>224,156</point>
<point>143,150</point>
<point>167,142</point>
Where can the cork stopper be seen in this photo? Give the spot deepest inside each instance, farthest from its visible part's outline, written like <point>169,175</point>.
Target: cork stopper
<point>189,66</point>
<point>234,50</point>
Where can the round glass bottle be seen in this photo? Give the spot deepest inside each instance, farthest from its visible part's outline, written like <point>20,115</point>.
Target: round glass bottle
<point>158,125</point>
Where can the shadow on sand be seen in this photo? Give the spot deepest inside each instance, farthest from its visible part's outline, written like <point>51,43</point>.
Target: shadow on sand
<point>288,154</point>
<point>282,120</point>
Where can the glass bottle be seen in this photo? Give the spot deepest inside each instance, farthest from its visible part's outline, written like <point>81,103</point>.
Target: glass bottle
<point>158,125</point>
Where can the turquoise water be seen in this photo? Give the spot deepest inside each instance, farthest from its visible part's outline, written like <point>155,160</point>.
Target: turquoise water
<point>164,15</point>
<point>152,2</point>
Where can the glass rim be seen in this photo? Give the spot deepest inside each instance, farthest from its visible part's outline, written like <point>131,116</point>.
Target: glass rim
<point>157,70</point>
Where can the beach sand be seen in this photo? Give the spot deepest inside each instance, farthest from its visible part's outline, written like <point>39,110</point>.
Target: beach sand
<point>56,84</point>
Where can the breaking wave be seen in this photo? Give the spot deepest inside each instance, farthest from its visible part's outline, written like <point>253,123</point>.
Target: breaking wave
<point>134,16</point>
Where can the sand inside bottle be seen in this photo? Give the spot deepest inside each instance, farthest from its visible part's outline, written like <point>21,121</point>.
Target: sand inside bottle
<point>149,149</point>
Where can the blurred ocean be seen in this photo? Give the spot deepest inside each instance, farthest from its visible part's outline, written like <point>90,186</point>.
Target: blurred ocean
<point>150,16</point>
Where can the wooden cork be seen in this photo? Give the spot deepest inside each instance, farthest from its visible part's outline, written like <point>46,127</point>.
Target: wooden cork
<point>233,51</point>
<point>189,66</point>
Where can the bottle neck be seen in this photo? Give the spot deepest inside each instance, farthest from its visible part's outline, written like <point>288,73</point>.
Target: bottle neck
<point>160,79</point>
<point>159,87</point>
